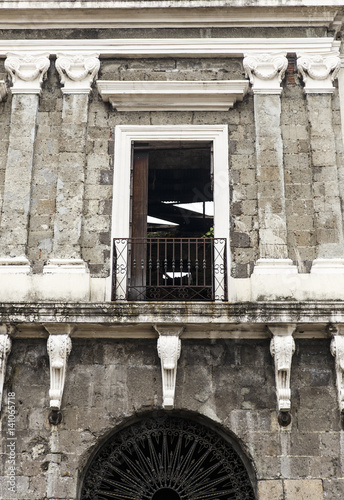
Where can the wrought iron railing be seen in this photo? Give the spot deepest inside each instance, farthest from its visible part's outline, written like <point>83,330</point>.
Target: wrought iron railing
<point>169,269</point>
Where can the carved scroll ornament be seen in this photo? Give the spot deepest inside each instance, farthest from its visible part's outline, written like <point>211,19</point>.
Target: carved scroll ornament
<point>265,71</point>
<point>169,347</point>
<point>59,347</point>
<point>27,72</point>
<point>282,348</point>
<point>77,72</point>
<point>318,71</point>
<point>337,350</point>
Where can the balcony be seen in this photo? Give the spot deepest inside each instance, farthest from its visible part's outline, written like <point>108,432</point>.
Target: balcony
<point>169,269</point>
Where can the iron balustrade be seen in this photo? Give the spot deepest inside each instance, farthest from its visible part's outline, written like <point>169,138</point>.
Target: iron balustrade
<point>169,269</point>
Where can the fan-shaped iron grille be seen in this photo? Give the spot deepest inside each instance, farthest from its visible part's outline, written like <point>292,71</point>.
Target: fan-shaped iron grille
<point>167,458</point>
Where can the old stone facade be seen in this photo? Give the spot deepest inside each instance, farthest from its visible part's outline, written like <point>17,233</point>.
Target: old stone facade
<point>113,114</point>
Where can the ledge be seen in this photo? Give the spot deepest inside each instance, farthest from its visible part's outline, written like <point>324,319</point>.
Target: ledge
<point>172,95</point>
<point>173,47</point>
<point>201,320</point>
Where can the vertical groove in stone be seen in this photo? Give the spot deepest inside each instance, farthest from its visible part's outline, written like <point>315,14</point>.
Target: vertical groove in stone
<point>270,177</point>
<point>326,196</point>
<point>18,176</point>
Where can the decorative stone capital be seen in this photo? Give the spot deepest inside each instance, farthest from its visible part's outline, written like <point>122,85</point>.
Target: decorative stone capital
<point>5,349</point>
<point>169,347</point>
<point>77,72</point>
<point>337,351</point>
<point>27,72</point>
<point>282,348</point>
<point>318,71</point>
<point>59,347</point>
<point>266,72</point>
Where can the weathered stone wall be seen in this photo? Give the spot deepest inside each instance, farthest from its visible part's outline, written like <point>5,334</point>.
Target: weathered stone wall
<point>229,381</point>
<point>5,118</point>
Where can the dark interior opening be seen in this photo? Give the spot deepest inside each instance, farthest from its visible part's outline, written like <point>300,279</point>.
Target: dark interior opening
<point>180,191</point>
<point>165,494</point>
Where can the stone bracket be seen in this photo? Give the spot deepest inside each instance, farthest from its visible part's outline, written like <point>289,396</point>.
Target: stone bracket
<point>169,347</point>
<point>282,348</point>
<point>59,347</point>
<point>5,349</point>
<point>337,351</point>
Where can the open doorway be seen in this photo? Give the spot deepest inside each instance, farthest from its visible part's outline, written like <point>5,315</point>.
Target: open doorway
<point>172,190</point>
<point>172,221</point>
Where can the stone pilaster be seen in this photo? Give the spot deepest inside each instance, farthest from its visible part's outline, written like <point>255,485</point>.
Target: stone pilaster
<point>27,74</point>
<point>318,73</point>
<point>266,71</point>
<point>77,74</point>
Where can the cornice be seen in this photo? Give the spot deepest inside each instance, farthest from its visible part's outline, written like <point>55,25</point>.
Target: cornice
<point>169,13</point>
<point>172,95</point>
<point>201,320</point>
<point>172,47</point>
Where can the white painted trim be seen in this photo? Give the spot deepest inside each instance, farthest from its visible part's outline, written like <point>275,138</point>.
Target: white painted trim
<point>174,47</point>
<point>328,266</point>
<point>275,266</point>
<point>172,95</point>
<point>125,135</point>
<point>15,265</point>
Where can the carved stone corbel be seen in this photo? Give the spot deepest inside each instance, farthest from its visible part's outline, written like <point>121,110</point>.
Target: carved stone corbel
<point>27,72</point>
<point>5,349</point>
<point>266,72</point>
<point>77,72</point>
<point>59,347</point>
<point>282,348</point>
<point>337,351</point>
<point>319,71</point>
<point>169,347</point>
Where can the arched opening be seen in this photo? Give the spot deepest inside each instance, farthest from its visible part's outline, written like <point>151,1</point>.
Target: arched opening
<point>167,458</point>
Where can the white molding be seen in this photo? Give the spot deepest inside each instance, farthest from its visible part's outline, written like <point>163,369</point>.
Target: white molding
<point>77,72</point>
<point>172,95</point>
<point>5,349</point>
<point>62,266</point>
<point>14,265</point>
<point>27,71</point>
<point>59,347</point>
<point>275,266</point>
<point>282,348</point>
<point>265,71</point>
<point>171,13</point>
<point>169,347</point>
<point>3,90</point>
<point>125,135</point>
<point>328,266</point>
<point>174,47</point>
<point>319,71</point>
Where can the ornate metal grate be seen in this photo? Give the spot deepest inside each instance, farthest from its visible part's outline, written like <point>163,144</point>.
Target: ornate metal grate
<point>169,269</point>
<point>167,458</point>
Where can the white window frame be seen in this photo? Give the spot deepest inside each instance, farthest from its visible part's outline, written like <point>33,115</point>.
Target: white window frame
<point>126,135</point>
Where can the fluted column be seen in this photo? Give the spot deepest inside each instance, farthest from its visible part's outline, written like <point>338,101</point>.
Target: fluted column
<point>27,73</point>
<point>318,73</point>
<point>266,72</point>
<point>77,73</point>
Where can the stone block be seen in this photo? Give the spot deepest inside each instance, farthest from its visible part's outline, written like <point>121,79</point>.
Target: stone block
<point>303,489</point>
<point>270,490</point>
